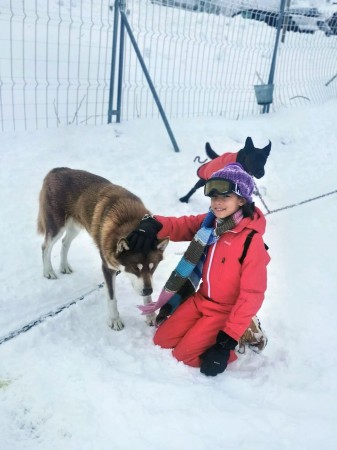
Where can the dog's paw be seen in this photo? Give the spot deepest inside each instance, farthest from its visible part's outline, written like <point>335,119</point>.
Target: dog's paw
<point>183,199</point>
<point>116,324</point>
<point>66,269</point>
<point>50,274</point>
<point>150,320</point>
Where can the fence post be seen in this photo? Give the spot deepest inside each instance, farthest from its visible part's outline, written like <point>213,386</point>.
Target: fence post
<point>120,10</point>
<point>277,39</point>
<point>120,65</point>
<point>113,61</point>
<point>285,24</point>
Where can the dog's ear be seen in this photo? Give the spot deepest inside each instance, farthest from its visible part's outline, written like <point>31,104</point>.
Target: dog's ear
<point>249,146</point>
<point>162,244</point>
<point>122,246</point>
<point>267,148</point>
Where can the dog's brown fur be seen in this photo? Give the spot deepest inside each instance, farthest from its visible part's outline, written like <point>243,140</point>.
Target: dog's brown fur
<point>74,199</point>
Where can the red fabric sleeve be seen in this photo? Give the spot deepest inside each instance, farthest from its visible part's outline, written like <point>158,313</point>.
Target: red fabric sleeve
<point>179,228</point>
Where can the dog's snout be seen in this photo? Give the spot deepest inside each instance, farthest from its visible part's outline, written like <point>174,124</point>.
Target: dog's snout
<point>147,291</point>
<point>259,174</point>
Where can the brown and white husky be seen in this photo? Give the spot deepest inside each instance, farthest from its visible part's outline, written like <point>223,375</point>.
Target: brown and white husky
<point>71,200</point>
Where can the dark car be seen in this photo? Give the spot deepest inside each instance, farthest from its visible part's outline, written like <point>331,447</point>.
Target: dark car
<point>302,20</point>
<point>330,25</point>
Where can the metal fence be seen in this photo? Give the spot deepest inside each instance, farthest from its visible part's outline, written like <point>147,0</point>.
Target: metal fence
<point>204,58</point>
<point>55,62</point>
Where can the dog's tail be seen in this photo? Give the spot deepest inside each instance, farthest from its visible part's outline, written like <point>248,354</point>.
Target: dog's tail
<point>210,152</point>
<point>41,226</point>
<point>41,229</point>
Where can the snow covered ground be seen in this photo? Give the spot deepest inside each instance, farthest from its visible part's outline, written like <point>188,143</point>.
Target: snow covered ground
<point>73,383</point>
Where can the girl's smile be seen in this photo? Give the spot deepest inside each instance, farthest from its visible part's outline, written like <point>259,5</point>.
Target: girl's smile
<point>225,205</point>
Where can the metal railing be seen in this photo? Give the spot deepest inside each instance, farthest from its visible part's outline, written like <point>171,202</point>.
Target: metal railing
<point>204,59</point>
<point>55,63</point>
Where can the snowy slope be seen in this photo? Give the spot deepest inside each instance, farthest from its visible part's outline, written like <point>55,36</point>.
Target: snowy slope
<point>72,383</point>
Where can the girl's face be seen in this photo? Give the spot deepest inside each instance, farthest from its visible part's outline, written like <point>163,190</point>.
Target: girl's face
<point>226,205</point>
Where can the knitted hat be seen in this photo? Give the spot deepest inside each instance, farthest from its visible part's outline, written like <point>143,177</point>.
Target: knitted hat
<point>234,172</point>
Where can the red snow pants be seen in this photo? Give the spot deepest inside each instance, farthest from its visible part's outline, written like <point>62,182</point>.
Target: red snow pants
<point>192,329</point>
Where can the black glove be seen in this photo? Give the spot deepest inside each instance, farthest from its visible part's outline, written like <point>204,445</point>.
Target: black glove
<point>143,239</point>
<point>215,359</point>
<point>163,314</point>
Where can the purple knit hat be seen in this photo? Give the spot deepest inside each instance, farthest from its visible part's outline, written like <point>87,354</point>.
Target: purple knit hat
<point>234,172</point>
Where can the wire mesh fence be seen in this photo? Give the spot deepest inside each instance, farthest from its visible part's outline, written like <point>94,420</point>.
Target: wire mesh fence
<point>213,53</point>
<point>204,58</point>
<point>55,62</point>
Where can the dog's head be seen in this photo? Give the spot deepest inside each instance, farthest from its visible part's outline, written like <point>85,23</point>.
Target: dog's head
<point>253,159</point>
<point>138,266</point>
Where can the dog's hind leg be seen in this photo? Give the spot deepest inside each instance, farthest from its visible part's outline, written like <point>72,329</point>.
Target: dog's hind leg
<point>47,248</point>
<point>71,232</point>
<point>114,320</point>
<point>198,185</point>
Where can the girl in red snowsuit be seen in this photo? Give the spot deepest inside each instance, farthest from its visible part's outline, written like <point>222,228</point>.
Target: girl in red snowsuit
<point>205,329</point>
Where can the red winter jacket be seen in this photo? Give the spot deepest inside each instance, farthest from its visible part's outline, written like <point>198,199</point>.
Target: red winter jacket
<point>206,170</point>
<point>236,290</point>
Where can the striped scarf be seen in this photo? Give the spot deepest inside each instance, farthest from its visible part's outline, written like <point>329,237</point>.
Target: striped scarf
<point>185,278</point>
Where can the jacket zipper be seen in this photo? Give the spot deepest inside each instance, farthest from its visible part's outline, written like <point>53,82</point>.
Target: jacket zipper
<point>210,264</point>
<point>209,269</point>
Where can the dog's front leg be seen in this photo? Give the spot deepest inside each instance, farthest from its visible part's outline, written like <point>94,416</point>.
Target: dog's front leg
<point>150,319</point>
<point>114,320</point>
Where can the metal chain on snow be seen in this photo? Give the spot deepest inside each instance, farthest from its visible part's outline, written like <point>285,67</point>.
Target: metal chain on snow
<point>257,192</point>
<point>53,313</point>
<point>302,202</point>
<point>42,318</point>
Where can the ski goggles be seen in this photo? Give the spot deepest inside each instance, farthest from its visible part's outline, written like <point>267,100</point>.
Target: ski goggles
<point>219,186</point>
